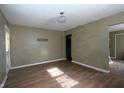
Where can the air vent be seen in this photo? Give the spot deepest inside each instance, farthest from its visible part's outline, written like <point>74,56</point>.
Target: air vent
<point>42,39</point>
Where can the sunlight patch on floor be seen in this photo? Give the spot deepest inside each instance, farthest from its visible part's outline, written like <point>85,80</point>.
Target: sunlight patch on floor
<point>55,72</point>
<point>64,80</point>
<point>110,60</point>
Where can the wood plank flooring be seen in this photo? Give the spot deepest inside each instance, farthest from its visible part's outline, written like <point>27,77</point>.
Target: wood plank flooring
<point>117,66</point>
<point>61,74</point>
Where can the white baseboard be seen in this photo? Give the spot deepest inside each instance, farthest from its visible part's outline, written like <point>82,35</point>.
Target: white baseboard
<point>4,80</point>
<point>92,67</point>
<point>44,62</point>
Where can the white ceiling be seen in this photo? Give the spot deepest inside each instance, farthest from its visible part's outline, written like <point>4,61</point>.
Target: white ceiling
<point>45,16</point>
<point>116,27</point>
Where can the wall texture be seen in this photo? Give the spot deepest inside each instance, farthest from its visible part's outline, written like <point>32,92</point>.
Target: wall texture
<point>90,42</point>
<point>25,49</point>
<point>119,47</point>
<point>2,47</point>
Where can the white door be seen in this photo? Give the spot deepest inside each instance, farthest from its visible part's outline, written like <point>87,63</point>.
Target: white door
<point>7,43</point>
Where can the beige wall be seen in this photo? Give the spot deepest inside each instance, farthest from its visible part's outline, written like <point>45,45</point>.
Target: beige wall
<point>90,42</point>
<point>2,47</point>
<point>119,50</point>
<point>25,49</point>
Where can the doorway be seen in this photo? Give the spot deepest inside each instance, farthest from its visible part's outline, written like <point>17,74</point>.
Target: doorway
<point>116,48</point>
<point>7,48</point>
<point>68,47</point>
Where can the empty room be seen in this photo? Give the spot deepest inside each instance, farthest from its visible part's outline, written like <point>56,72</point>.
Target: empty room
<point>61,45</point>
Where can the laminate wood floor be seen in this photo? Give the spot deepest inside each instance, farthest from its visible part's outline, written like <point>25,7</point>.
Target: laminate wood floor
<point>61,74</point>
<point>117,66</point>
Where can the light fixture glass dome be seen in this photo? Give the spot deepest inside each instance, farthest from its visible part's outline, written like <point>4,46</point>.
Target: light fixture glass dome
<point>61,18</point>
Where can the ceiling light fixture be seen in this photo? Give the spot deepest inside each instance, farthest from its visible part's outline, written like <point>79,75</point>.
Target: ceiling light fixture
<point>61,18</point>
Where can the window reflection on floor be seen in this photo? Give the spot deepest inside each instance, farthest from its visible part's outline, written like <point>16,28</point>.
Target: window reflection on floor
<point>64,80</point>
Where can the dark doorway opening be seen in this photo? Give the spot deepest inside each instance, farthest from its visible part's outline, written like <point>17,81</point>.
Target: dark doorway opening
<point>68,47</point>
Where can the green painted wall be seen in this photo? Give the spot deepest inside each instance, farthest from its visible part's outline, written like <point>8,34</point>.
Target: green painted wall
<point>25,49</point>
<point>90,42</point>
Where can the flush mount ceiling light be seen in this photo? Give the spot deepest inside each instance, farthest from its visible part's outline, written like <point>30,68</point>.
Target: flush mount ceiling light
<point>61,18</point>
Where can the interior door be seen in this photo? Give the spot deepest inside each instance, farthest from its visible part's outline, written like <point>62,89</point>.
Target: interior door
<point>68,47</point>
<point>7,44</point>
